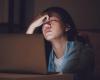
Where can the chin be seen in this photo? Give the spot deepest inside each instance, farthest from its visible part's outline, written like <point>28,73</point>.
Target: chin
<point>49,38</point>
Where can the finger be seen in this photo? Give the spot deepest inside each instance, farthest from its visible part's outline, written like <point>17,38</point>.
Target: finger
<point>45,18</point>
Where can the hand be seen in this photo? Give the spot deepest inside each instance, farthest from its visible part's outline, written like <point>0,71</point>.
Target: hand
<point>37,23</point>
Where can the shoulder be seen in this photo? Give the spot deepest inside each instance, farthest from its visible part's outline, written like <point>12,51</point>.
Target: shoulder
<point>82,50</point>
<point>82,45</point>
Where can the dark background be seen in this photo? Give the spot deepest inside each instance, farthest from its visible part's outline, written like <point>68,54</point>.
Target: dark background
<point>16,15</point>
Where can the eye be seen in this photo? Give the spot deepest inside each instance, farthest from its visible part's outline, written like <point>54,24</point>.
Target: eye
<point>53,21</point>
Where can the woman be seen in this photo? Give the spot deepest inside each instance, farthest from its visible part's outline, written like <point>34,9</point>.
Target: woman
<point>69,53</point>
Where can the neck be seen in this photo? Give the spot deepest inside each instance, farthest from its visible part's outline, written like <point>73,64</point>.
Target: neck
<point>59,46</point>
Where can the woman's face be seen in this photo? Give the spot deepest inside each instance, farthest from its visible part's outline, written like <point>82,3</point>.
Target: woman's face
<point>53,28</point>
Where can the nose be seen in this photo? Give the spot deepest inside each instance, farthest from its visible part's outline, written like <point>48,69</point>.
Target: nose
<point>47,22</point>
<point>46,26</point>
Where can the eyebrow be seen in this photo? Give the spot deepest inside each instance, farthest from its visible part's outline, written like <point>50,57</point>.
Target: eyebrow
<point>55,20</point>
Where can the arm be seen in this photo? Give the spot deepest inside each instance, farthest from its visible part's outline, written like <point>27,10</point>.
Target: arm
<point>36,24</point>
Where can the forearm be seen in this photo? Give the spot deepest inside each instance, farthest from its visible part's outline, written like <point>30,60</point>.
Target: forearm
<point>31,29</point>
<point>37,23</point>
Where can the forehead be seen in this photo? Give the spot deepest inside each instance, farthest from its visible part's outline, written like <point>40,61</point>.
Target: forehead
<point>54,18</point>
<point>53,15</point>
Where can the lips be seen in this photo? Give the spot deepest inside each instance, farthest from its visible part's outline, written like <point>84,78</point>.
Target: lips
<point>47,31</point>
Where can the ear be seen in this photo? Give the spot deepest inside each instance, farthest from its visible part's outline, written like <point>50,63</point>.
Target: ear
<point>67,27</point>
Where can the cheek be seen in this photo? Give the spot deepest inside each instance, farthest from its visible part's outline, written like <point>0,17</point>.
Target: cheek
<point>58,29</point>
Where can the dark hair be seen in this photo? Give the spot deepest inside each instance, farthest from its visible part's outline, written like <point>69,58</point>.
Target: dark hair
<point>65,18</point>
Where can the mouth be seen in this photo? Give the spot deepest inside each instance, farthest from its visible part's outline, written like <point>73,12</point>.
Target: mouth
<point>47,32</point>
